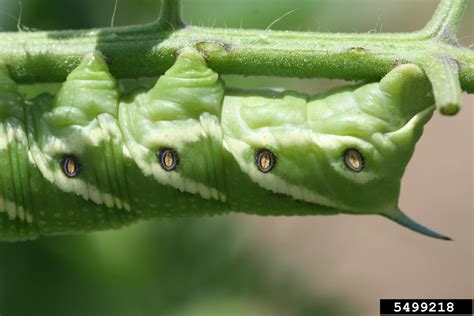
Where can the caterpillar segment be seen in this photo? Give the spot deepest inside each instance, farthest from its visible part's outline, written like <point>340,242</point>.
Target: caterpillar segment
<point>76,145</point>
<point>89,159</point>
<point>17,213</point>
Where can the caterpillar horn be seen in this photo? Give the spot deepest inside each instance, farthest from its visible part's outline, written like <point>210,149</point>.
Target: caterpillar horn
<point>401,218</point>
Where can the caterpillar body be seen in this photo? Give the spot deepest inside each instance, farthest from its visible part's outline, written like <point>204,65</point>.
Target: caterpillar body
<point>89,159</point>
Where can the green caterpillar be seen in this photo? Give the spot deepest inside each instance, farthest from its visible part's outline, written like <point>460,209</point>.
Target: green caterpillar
<point>89,159</point>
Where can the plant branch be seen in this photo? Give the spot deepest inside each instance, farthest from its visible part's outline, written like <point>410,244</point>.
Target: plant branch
<point>170,14</point>
<point>149,50</point>
<point>446,20</point>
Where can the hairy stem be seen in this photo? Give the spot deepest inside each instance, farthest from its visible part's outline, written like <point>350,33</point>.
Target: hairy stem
<point>149,50</point>
<point>146,51</point>
<point>446,21</point>
<point>170,14</point>
<point>442,71</point>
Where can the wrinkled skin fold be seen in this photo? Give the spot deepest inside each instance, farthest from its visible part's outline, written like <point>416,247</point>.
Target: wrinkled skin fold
<point>188,147</point>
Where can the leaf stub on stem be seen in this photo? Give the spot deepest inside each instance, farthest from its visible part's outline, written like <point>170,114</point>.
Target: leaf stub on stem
<point>443,73</point>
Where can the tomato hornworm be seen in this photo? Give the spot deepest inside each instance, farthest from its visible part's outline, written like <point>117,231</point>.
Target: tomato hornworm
<point>90,159</point>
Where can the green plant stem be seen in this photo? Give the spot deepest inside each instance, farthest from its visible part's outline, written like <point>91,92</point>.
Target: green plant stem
<point>149,50</point>
<point>446,21</point>
<point>146,51</point>
<point>442,71</point>
<point>170,14</point>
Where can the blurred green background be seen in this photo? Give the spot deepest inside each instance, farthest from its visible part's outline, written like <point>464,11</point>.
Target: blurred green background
<point>186,267</point>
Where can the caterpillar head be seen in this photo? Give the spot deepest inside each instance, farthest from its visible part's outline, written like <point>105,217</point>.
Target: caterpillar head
<point>346,150</point>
